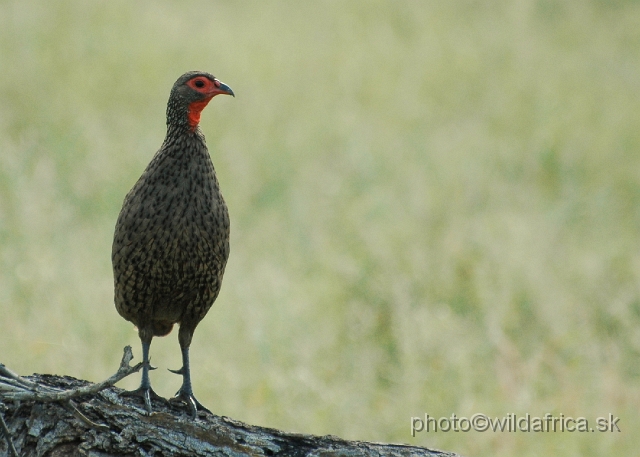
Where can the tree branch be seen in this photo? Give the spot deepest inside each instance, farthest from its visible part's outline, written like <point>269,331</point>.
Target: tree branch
<point>43,420</point>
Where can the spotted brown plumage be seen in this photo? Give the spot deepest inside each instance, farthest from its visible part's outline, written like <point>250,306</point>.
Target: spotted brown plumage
<point>171,240</point>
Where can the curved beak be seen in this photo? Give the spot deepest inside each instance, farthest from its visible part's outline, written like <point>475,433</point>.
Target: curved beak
<point>222,88</point>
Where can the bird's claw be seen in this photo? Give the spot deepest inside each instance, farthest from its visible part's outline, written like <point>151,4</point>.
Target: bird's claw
<point>147,394</point>
<point>180,371</point>
<point>191,402</point>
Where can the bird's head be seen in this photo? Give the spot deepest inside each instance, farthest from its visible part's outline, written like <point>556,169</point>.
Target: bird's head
<point>189,96</point>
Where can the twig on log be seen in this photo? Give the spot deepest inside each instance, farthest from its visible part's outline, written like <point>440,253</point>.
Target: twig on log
<point>15,387</point>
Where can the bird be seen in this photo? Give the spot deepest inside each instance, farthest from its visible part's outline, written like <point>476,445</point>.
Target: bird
<point>171,241</point>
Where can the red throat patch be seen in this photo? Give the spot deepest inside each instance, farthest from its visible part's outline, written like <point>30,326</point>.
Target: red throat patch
<point>195,109</point>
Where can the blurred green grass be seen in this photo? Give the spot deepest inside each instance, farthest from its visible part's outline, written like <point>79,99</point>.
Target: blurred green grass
<point>435,207</point>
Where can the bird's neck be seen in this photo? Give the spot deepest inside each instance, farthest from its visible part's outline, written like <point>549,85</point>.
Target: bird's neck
<point>184,115</point>
<point>183,130</point>
<point>181,138</point>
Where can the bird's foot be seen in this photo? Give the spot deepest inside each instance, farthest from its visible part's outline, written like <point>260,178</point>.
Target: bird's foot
<point>147,394</point>
<point>187,397</point>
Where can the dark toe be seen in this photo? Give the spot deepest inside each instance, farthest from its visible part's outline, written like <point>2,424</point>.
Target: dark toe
<point>192,403</point>
<point>147,394</point>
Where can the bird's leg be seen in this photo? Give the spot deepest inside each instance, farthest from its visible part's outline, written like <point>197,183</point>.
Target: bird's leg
<point>145,391</point>
<point>185,393</point>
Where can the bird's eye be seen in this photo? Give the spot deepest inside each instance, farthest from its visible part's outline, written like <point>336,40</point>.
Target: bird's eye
<point>199,83</point>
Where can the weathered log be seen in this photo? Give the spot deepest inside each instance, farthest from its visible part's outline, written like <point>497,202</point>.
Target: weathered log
<point>46,415</point>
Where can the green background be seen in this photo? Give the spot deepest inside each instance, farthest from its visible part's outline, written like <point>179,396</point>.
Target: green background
<point>435,207</point>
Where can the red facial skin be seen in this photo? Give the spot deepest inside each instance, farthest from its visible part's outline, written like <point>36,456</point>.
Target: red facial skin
<point>207,88</point>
